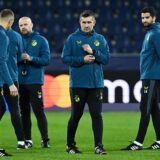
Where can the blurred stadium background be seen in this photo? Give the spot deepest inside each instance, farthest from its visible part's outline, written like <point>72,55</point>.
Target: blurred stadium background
<point>118,20</point>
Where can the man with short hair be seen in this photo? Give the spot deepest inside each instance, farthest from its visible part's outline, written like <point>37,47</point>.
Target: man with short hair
<point>15,50</point>
<point>150,76</point>
<point>6,20</point>
<point>31,77</point>
<point>85,51</point>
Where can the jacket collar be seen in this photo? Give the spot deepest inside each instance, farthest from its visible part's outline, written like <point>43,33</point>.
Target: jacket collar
<point>2,28</point>
<point>86,34</point>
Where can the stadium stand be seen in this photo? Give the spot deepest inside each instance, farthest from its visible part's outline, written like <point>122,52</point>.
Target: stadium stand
<point>117,20</point>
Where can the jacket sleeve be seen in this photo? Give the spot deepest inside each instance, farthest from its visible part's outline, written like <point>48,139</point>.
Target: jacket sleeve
<point>67,56</point>
<point>20,48</point>
<point>4,72</point>
<point>102,55</point>
<point>44,55</point>
<point>156,42</point>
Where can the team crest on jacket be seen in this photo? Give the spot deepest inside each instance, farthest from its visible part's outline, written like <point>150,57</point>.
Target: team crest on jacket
<point>96,43</point>
<point>34,43</point>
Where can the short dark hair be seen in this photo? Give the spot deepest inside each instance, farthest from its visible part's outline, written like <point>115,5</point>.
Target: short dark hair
<point>150,10</point>
<point>87,13</point>
<point>5,13</point>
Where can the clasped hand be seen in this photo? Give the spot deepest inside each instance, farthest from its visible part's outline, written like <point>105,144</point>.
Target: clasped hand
<point>26,57</point>
<point>88,58</point>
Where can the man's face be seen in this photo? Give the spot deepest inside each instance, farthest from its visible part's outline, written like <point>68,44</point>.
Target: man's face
<point>87,23</point>
<point>147,19</point>
<point>25,26</point>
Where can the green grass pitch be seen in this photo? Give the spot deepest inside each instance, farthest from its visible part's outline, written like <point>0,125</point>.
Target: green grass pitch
<point>119,129</point>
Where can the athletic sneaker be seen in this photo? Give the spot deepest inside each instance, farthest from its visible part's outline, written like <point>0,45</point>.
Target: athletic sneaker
<point>4,153</point>
<point>154,146</point>
<point>133,147</point>
<point>73,149</point>
<point>100,150</point>
<point>45,143</point>
<point>20,146</point>
<point>29,143</point>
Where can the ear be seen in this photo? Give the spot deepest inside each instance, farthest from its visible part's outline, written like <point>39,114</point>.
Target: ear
<point>79,20</point>
<point>10,22</point>
<point>94,22</point>
<point>154,18</point>
<point>32,25</point>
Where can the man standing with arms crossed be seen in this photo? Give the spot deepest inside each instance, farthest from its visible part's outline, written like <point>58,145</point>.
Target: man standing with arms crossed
<point>85,52</point>
<point>150,76</point>
<point>5,22</point>
<point>31,77</point>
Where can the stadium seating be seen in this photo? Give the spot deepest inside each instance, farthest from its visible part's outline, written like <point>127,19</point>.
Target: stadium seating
<point>118,20</point>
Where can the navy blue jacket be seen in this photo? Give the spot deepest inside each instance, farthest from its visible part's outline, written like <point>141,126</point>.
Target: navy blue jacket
<point>37,47</point>
<point>150,54</point>
<point>4,72</point>
<point>15,51</point>
<point>84,75</point>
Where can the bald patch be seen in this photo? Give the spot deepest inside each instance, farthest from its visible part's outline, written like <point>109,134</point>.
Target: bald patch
<point>25,19</point>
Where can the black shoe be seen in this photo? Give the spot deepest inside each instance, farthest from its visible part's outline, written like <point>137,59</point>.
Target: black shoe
<point>29,143</point>
<point>45,143</point>
<point>73,149</point>
<point>154,146</point>
<point>100,150</point>
<point>20,146</point>
<point>133,147</point>
<point>4,153</point>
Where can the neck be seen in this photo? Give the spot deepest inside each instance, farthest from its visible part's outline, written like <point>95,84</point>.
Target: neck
<point>4,25</point>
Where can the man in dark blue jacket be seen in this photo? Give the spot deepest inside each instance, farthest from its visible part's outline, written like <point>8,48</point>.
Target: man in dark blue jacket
<point>150,76</point>
<point>31,77</point>
<point>85,51</point>
<point>6,21</point>
<point>15,51</point>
